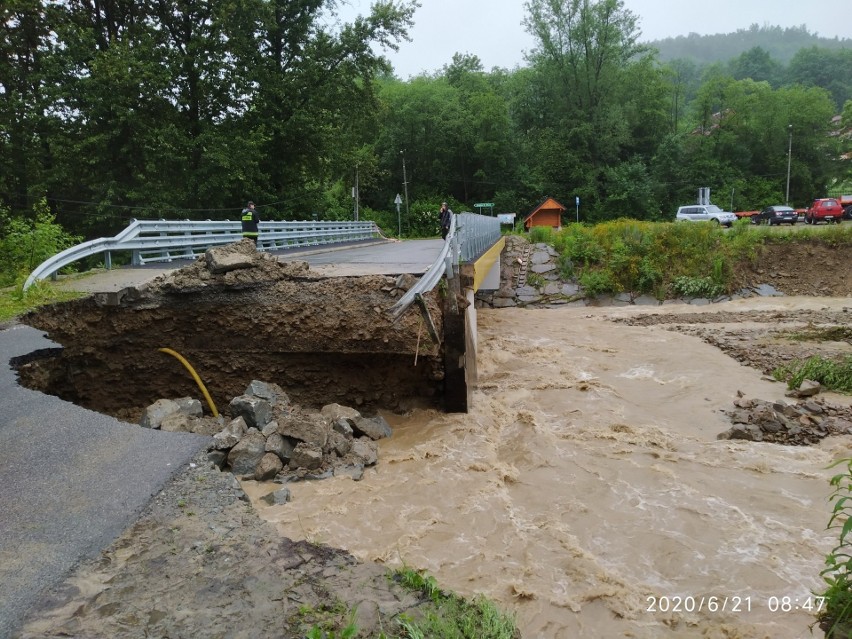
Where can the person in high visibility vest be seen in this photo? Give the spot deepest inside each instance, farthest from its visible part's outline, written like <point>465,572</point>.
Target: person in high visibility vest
<point>250,221</point>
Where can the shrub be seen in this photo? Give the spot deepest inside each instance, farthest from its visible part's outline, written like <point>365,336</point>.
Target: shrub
<point>835,617</point>
<point>539,234</point>
<point>833,375</point>
<point>24,244</point>
<point>596,283</point>
<point>686,286</point>
<point>535,280</point>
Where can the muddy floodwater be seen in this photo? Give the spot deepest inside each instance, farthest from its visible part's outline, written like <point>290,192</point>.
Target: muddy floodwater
<point>587,492</point>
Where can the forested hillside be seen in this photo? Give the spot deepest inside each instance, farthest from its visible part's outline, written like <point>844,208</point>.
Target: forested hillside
<point>157,108</point>
<point>780,43</point>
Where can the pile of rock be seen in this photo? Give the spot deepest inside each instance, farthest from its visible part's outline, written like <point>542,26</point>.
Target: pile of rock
<point>270,439</point>
<point>800,424</point>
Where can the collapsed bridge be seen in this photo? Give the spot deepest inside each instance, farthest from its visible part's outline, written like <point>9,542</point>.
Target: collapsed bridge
<point>324,339</point>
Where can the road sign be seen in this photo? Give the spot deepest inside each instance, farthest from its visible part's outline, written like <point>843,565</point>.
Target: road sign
<point>398,199</point>
<point>484,205</point>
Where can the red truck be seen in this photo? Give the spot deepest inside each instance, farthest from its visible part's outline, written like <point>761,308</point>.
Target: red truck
<point>846,203</point>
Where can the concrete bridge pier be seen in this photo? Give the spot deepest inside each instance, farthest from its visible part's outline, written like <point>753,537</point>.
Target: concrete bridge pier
<point>459,352</point>
<point>460,329</point>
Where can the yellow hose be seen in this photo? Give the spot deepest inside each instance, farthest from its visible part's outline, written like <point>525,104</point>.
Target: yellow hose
<point>195,376</point>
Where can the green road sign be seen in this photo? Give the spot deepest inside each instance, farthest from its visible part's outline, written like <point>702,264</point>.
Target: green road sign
<point>484,205</point>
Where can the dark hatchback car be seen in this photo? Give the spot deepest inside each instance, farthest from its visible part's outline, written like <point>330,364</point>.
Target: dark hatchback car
<point>777,214</point>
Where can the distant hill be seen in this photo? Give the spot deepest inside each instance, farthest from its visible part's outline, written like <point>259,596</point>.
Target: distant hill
<point>781,44</point>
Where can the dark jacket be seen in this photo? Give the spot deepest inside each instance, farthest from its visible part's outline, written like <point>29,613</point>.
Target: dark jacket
<point>446,218</point>
<point>250,221</point>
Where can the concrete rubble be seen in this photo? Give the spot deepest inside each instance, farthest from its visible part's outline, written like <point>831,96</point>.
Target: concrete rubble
<point>268,438</point>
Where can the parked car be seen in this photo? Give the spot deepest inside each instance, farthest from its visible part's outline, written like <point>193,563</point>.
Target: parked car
<point>776,214</point>
<point>826,210</point>
<point>704,213</point>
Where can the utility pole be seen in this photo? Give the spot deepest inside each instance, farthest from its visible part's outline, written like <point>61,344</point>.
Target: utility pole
<point>405,186</point>
<point>355,193</point>
<point>789,155</point>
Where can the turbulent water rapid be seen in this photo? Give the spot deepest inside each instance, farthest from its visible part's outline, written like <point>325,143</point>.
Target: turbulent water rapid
<point>586,491</point>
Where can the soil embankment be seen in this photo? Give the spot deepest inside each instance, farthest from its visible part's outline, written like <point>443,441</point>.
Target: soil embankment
<point>325,339</point>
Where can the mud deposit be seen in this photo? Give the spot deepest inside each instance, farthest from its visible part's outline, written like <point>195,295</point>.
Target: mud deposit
<point>323,339</point>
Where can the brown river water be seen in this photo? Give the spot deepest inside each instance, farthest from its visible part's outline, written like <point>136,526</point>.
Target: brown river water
<point>586,491</point>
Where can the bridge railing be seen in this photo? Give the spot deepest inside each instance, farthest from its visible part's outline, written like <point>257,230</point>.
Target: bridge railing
<point>469,237</point>
<point>165,240</point>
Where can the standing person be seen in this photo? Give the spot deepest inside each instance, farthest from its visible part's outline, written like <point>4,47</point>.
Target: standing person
<point>250,221</point>
<point>446,220</point>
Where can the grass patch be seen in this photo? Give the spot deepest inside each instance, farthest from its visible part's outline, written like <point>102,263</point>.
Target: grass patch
<point>453,617</point>
<point>833,375</point>
<point>444,616</point>
<point>14,301</point>
<point>827,334</point>
<point>667,259</point>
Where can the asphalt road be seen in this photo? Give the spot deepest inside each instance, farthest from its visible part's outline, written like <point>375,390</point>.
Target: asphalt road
<point>71,480</point>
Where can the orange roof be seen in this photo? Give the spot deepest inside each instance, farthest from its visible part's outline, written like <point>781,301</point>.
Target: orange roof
<point>549,204</point>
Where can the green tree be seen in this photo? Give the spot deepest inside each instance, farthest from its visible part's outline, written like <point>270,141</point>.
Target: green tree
<point>826,68</point>
<point>28,120</point>
<point>756,64</point>
<point>604,101</point>
<point>315,90</point>
<point>26,243</point>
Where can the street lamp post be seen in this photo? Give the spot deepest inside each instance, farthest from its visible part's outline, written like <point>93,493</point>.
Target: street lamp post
<point>405,186</point>
<point>789,155</point>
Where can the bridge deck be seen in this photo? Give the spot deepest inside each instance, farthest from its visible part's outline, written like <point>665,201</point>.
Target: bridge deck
<point>363,258</point>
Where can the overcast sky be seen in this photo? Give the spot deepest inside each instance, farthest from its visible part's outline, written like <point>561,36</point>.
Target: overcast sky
<point>492,30</point>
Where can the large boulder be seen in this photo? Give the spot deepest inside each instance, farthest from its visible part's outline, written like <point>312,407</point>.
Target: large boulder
<point>272,393</point>
<point>246,455</point>
<point>279,497</point>
<point>308,456</point>
<point>256,411</point>
<point>177,423</point>
<point>280,445</point>
<point>190,407</point>
<point>221,259</point>
<point>269,466</point>
<point>155,413</point>
<point>308,428</point>
<point>373,427</point>
<point>337,443</point>
<point>333,412</point>
<point>231,435</point>
<point>365,451</point>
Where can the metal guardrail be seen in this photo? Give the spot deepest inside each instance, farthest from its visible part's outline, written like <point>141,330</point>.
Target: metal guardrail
<point>477,234</point>
<point>469,237</point>
<point>165,240</point>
